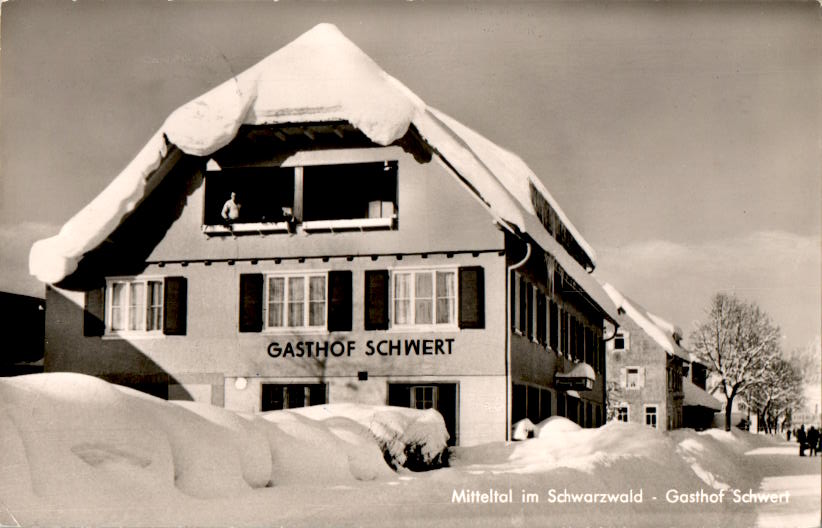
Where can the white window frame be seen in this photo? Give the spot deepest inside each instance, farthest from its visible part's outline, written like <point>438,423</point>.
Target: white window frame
<point>142,331</point>
<point>306,275</point>
<point>645,415</point>
<point>639,378</point>
<point>626,340</point>
<point>434,325</point>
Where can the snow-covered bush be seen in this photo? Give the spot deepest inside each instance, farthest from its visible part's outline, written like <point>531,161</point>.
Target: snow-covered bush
<point>409,438</point>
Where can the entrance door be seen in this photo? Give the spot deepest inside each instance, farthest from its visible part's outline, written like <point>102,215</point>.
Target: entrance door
<point>440,396</point>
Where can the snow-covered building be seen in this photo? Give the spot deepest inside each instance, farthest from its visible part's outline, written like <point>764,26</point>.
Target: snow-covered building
<point>375,250</point>
<point>653,379</point>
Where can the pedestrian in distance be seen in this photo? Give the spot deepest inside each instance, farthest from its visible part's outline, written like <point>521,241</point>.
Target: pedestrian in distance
<point>801,438</point>
<point>813,440</point>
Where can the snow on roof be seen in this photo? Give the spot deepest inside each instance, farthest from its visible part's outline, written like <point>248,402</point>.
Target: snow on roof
<point>697,397</point>
<point>580,370</point>
<point>319,77</point>
<point>659,329</point>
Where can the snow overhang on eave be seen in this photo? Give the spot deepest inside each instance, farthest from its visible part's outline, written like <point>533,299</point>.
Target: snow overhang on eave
<point>319,77</point>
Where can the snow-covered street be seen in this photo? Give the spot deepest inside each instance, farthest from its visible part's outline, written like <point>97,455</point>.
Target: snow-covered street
<point>78,451</point>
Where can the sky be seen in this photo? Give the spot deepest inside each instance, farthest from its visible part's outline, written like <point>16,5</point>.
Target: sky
<point>683,140</point>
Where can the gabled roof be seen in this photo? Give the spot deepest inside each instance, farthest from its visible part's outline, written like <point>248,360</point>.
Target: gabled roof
<point>665,334</point>
<point>319,77</point>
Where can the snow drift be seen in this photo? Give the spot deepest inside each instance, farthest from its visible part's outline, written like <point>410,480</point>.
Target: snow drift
<point>76,450</point>
<point>72,438</point>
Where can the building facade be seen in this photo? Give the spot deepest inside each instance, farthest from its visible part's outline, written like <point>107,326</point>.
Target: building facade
<point>315,256</point>
<point>646,365</point>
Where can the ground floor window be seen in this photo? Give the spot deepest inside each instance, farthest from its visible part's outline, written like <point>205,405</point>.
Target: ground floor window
<point>572,409</point>
<point>276,396</point>
<point>622,413</point>
<point>650,416</point>
<point>530,402</point>
<point>443,397</point>
<point>135,305</point>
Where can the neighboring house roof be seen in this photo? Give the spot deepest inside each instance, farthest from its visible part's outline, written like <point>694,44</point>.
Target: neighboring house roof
<point>660,330</point>
<point>694,396</point>
<point>319,77</point>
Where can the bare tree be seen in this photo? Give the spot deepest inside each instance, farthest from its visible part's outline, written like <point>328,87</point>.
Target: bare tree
<point>738,341</point>
<point>779,393</point>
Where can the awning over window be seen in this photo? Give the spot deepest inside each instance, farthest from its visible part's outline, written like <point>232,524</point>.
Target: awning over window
<point>581,377</point>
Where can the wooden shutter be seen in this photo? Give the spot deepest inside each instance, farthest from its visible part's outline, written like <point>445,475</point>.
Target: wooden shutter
<point>642,377</point>
<point>175,293</point>
<point>623,377</point>
<point>94,309</point>
<point>376,300</point>
<point>251,302</point>
<point>339,306</point>
<point>471,297</point>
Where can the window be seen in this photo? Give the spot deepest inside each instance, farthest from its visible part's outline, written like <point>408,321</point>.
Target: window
<point>633,379</point>
<point>135,305</point>
<point>276,396</point>
<point>650,415</point>
<point>296,301</point>
<point>347,196</point>
<point>444,397</point>
<point>554,325</point>
<point>264,194</point>
<point>424,397</point>
<point>424,297</point>
<point>523,306</point>
<point>349,191</point>
<point>541,319</point>
<point>621,341</point>
<point>622,413</point>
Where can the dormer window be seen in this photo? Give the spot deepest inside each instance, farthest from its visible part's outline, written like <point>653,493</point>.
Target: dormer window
<point>310,198</point>
<point>259,197</point>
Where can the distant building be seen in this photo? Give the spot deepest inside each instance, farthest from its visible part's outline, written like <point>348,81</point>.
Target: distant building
<point>24,317</point>
<point>652,378</point>
<point>376,250</point>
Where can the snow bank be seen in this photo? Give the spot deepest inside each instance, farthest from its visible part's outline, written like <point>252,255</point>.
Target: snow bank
<point>408,437</point>
<point>71,438</point>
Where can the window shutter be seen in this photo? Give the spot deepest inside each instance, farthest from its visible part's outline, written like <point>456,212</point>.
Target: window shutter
<point>251,302</point>
<point>376,300</point>
<point>623,377</point>
<point>472,297</point>
<point>94,309</point>
<point>339,307</point>
<point>175,292</point>
<point>642,376</point>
